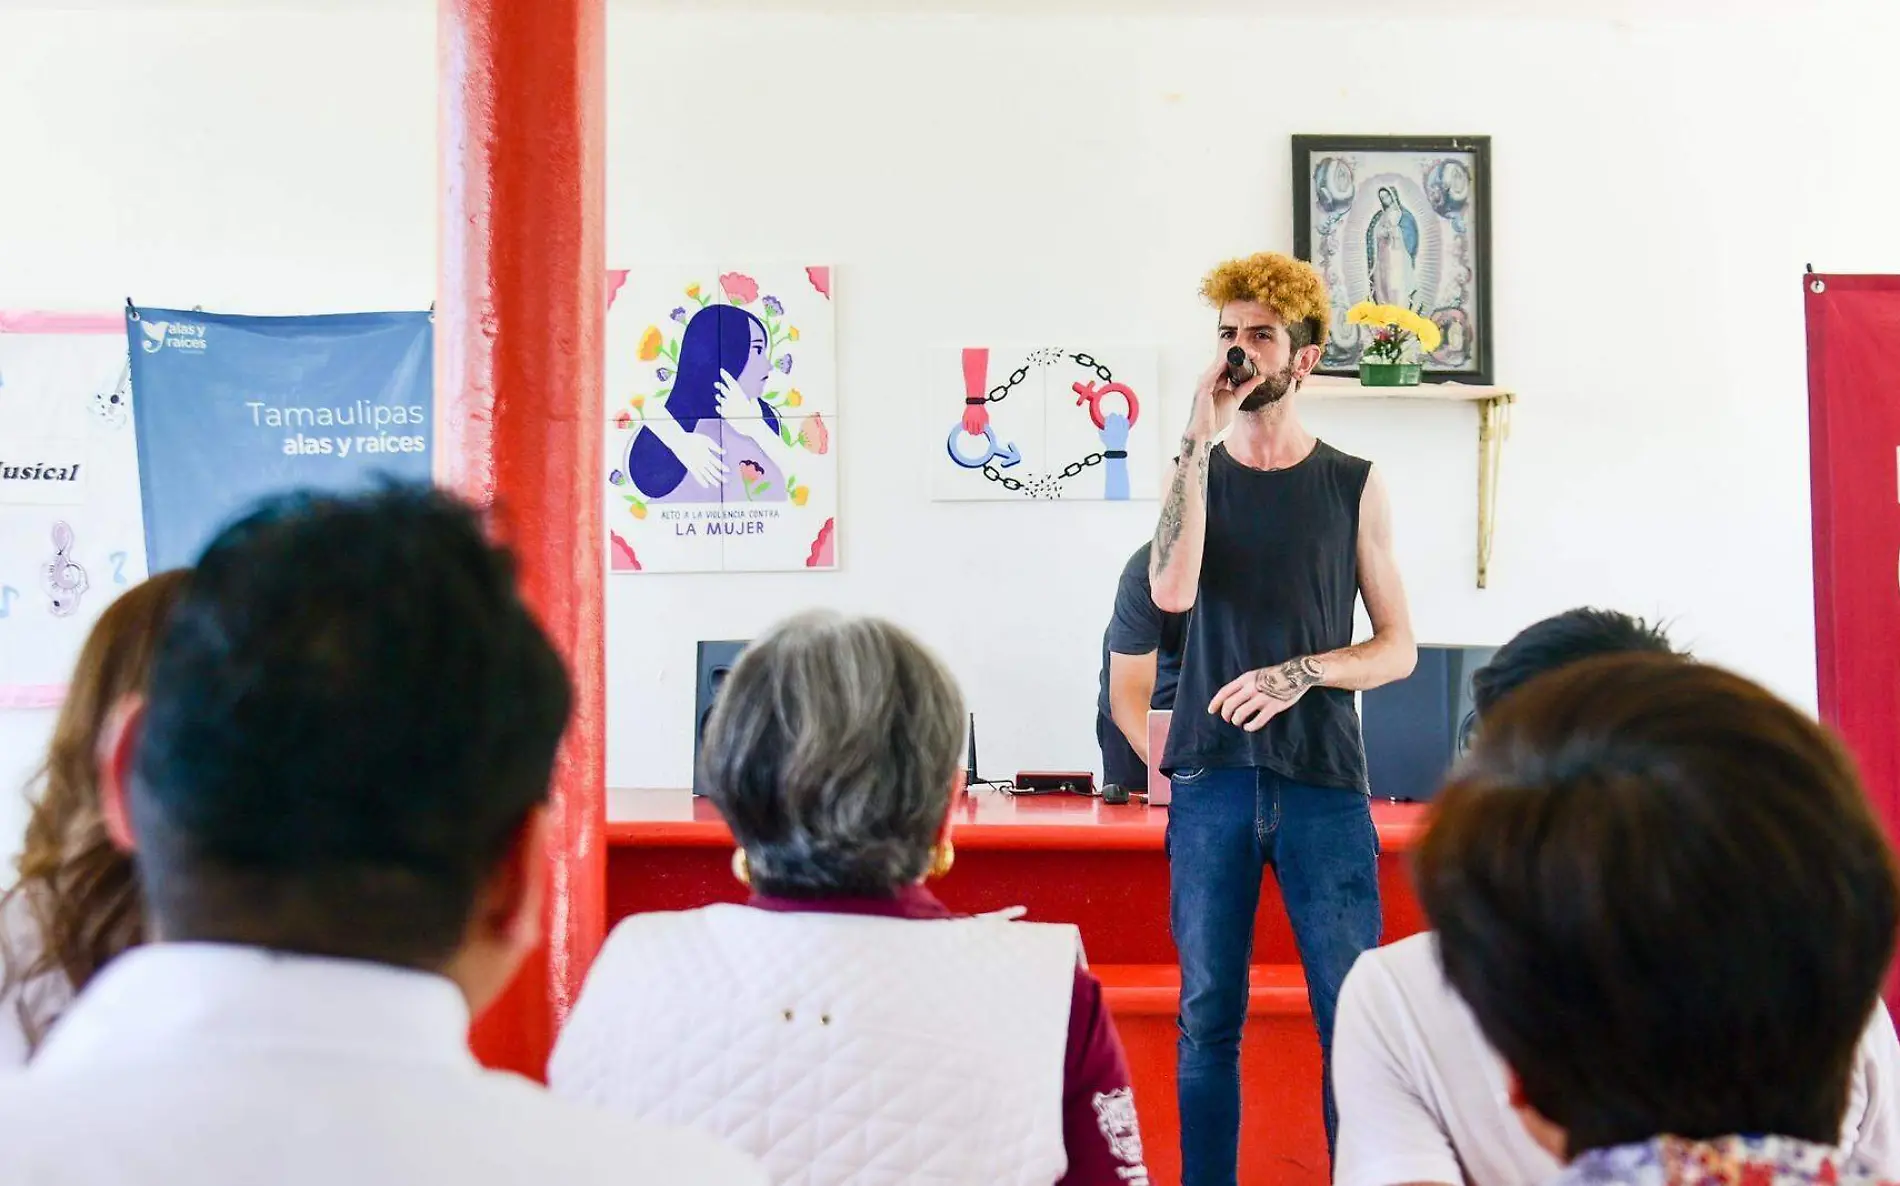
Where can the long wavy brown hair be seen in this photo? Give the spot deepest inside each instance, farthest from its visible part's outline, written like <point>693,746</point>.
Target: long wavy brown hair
<point>80,892</point>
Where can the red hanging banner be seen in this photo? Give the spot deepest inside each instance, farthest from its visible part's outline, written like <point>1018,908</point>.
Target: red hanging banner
<point>1854,471</point>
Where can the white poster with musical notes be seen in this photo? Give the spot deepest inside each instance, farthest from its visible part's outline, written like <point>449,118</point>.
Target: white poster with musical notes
<point>71,534</point>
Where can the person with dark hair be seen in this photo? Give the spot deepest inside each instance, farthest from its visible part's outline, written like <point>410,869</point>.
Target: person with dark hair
<point>1141,666</point>
<point>1667,902</point>
<point>843,1026</point>
<point>336,789</point>
<point>76,905</point>
<point>1421,1093</point>
<point>1559,641</point>
<point>1271,537</point>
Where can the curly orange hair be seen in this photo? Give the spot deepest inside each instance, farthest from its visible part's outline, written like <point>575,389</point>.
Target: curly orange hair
<point>79,891</point>
<point>1290,287</point>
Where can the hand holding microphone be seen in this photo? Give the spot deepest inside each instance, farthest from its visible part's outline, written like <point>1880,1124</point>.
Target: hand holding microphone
<point>1222,386</point>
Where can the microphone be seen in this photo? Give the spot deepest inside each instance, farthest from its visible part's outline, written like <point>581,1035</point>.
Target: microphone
<point>1240,368</point>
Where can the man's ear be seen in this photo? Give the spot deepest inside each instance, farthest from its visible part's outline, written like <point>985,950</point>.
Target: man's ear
<point>958,789</point>
<point>1307,361</point>
<point>511,904</point>
<point>506,923</point>
<point>118,746</point>
<point>1550,1136</point>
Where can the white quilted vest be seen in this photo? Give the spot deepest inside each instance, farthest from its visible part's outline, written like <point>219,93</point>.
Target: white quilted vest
<point>840,1050</point>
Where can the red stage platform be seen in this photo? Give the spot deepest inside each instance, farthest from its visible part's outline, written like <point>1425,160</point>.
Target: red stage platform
<point>1077,860</point>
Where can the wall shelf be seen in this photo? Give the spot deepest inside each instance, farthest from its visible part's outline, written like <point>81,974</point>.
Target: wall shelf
<point>1494,427</point>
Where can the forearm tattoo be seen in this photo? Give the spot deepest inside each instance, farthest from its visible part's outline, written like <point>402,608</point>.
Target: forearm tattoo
<point>1174,511</point>
<point>1289,679</point>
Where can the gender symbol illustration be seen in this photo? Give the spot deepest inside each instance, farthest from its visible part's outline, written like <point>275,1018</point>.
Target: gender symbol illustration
<point>973,442</point>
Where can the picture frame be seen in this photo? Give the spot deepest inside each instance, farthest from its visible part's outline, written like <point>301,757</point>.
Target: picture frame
<point>1401,220</point>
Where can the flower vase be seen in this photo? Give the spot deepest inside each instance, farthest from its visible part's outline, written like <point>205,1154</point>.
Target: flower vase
<point>1389,374</point>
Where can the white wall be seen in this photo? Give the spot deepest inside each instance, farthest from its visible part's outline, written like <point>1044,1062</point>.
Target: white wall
<point>1658,188</point>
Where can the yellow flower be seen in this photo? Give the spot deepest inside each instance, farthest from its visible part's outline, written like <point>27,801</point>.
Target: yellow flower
<point>800,495</point>
<point>650,344</point>
<point>637,509</point>
<point>791,335</point>
<point>638,401</point>
<point>1424,329</point>
<point>1360,313</point>
<point>794,398</point>
<point>692,290</point>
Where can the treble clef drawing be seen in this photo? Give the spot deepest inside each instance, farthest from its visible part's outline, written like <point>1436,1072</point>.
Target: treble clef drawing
<point>64,579</point>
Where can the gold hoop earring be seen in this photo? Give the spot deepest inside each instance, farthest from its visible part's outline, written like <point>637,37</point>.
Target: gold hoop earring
<point>741,867</point>
<point>942,858</point>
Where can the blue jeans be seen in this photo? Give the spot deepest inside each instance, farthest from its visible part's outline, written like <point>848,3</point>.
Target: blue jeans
<point>1225,827</point>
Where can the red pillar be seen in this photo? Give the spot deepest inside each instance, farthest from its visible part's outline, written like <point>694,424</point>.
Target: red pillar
<point>520,319</point>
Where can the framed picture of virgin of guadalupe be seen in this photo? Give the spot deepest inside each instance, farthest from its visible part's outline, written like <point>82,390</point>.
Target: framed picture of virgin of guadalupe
<point>1402,221</point>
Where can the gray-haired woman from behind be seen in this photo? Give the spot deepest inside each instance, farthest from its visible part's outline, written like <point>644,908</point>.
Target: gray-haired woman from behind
<point>843,1026</point>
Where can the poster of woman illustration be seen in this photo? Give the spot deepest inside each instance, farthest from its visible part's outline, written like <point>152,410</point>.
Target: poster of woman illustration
<point>1402,221</point>
<point>720,451</point>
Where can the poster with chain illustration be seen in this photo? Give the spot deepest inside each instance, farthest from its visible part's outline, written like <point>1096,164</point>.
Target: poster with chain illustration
<point>72,536</point>
<point>721,442</point>
<point>1025,423</point>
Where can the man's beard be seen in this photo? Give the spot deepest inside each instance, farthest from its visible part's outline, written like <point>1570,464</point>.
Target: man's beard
<point>1271,391</point>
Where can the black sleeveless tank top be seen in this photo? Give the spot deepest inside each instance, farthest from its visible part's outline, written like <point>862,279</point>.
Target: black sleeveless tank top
<point>1279,575</point>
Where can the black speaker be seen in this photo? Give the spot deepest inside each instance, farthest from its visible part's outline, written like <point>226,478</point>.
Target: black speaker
<point>715,662</point>
<point>1416,728</point>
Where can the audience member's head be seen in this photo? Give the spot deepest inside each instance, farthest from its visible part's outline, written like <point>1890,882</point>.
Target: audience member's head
<point>1559,641</point>
<point>832,754</point>
<point>76,888</point>
<point>1667,902</point>
<point>347,743</point>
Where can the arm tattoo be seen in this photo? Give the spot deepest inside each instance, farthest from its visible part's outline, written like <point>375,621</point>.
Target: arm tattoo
<point>1173,512</point>
<point>1168,531</point>
<point>1289,679</point>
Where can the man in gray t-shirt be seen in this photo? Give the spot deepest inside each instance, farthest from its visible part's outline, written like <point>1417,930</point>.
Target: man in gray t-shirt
<point>1141,664</point>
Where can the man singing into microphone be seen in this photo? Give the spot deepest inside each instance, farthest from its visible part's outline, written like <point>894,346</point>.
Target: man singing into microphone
<point>1267,538</point>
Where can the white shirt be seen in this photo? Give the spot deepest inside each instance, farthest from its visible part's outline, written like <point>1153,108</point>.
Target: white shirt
<point>231,1066</point>
<point>1423,1098</point>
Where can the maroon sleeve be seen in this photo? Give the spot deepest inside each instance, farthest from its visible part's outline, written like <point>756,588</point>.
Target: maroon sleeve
<point>1099,1128</point>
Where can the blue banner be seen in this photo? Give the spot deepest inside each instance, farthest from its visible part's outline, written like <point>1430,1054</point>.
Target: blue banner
<point>230,409</point>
